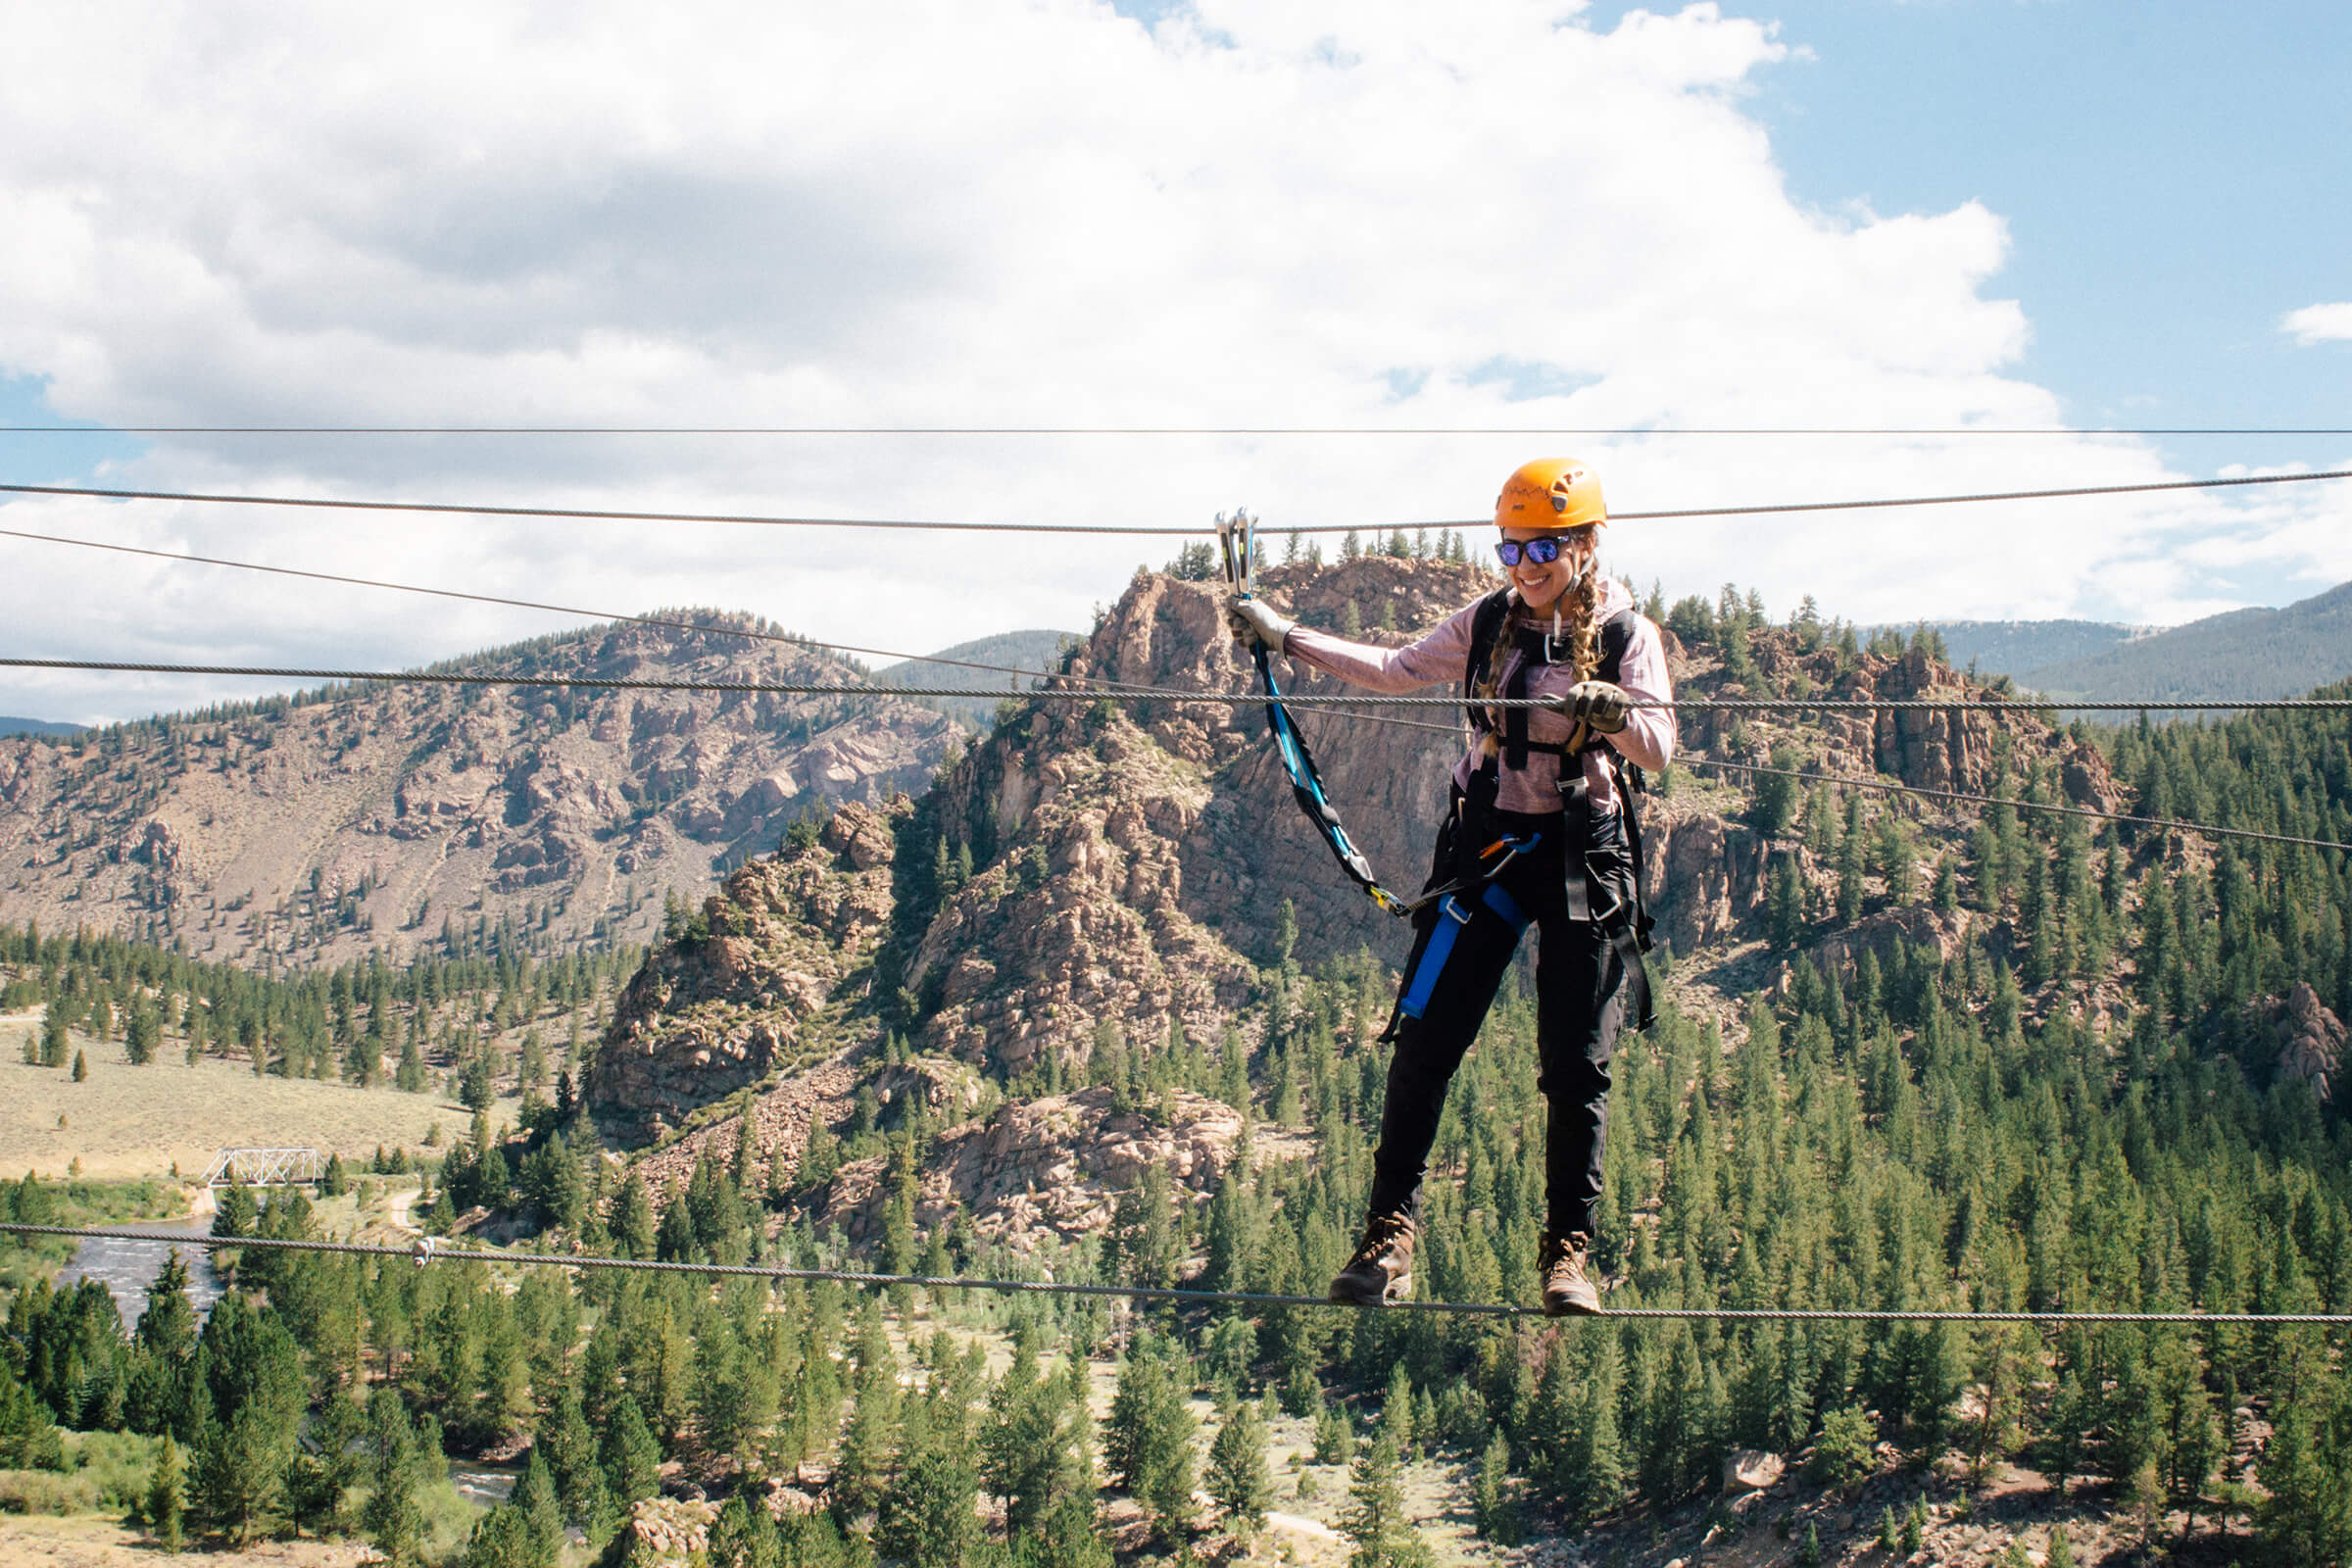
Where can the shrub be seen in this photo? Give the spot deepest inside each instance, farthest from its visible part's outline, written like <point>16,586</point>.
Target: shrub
<point>1845,1452</point>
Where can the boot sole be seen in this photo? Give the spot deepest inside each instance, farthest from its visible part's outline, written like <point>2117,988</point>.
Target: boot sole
<point>1569,1306</point>
<point>1395,1291</point>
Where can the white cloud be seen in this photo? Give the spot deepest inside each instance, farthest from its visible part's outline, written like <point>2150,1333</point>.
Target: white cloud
<point>2320,323</point>
<point>993,213</point>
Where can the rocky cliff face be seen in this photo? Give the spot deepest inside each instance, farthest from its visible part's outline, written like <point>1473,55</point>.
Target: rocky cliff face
<point>2308,1038</point>
<point>1132,859</point>
<point>1056,1165</point>
<point>720,1008</point>
<point>1128,864</point>
<point>370,817</point>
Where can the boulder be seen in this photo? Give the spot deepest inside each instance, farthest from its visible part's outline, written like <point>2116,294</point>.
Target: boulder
<point>1751,1470</point>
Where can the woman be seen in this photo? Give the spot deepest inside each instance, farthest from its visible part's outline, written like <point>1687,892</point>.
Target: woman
<point>1536,835</point>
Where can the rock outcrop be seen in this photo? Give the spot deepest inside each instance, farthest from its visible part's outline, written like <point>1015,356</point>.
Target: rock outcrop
<point>1056,1165</point>
<point>717,1009</point>
<point>2308,1036</point>
<point>663,1532</point>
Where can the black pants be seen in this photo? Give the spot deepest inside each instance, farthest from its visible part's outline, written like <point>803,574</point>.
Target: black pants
<point>1582,981</point>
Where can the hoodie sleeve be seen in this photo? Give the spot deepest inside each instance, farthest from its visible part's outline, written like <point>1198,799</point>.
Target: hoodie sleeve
<point>1649,736</point>
<point>1440,657</point>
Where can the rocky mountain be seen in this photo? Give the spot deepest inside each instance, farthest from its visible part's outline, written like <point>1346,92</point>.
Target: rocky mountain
<point>315,828</point>
<point>1121,871</point>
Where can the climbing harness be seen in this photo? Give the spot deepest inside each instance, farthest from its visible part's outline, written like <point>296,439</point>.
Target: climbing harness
<point>1476,847</point>
<point>1237,543</point>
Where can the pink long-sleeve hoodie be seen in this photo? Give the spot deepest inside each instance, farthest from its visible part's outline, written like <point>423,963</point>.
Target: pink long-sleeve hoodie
<point>1442,656</point>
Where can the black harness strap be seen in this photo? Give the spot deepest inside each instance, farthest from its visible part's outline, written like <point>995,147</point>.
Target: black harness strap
<point>1629,928</point>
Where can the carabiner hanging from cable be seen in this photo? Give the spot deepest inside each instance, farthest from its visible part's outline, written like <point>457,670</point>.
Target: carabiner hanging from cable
<point>1237,543</point>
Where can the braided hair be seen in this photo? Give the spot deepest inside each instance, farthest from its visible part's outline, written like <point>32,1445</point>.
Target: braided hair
<point>1580,613</point>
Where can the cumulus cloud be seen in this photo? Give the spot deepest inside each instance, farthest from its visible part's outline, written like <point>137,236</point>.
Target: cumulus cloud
<point>1012,213</point>
<point>2319,324</point>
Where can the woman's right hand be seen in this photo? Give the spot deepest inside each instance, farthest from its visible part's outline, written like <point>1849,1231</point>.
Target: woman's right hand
<point>1256,623</point>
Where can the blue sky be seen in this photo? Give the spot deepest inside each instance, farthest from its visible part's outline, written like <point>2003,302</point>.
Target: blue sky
<point>1036,213</point>
<point>2176,177</point>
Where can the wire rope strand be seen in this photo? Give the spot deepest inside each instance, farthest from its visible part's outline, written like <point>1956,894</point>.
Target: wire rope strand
<point>789,639</point>
<point>595,515</point>
<point>1090,683</point>
<point>2162,823</point>
<point>428,1251</point>
<point>1155,694</point>
<point>1175,429</point>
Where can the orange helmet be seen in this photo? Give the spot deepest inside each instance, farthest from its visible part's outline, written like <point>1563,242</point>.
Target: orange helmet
<point>1551,492</point>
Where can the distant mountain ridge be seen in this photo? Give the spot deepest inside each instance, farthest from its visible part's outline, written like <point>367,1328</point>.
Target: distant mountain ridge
<point>2250,653</point>
<point>1039,649</point>
<point>2013,647</point>
<point>36,726</point>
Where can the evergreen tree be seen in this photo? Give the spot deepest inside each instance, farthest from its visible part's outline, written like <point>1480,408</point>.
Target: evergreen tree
<point>632,1219</point>
<point>1029,1452</point>
<point>1238,1478</point>
<point>2306,1521</point>
<point>744,1535</point>
<point>166,1502</point>
<point>1850,863</point>
<point>1785,904</point>
<point>1149,1444</point>
<point>1375,1522</point>
<point>142,1033</point>
<point>411,1076</point>
<point>928,1516</point>
<point>630,1458</point>
<point>394,1516</point>
<point>1493,1504</point>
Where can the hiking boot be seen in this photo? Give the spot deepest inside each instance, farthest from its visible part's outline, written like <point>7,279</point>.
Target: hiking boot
<point>1566,1290</point>
<point>1382,1269</point>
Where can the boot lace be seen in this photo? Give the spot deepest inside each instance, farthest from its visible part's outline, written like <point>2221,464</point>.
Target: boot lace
<point>1382,1233</point>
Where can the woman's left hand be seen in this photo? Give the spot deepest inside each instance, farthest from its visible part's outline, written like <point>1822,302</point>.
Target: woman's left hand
<point>1597,704</point>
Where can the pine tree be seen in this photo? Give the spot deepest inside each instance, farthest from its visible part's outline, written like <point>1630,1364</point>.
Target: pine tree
<point>1238,1478</point>
<point>745,1536</point>
<point>1375,1521</point>
<point>1850,863</point>
<point>167,1502</point>
<point>142,1034</point>
<point>393,1517</point>
<point>1493,1504</point>
<point>630,1458</point>
<point>411,1076</point>
<point>927,1516</point>
<point>632,1219</point>
<point>81,1069</point>
<point>1149,1444</point>
<point>1785,906</point>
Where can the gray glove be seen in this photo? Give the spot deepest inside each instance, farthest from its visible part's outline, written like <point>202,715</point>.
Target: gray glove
<point>1255,623</point>
<point>1596,704</point>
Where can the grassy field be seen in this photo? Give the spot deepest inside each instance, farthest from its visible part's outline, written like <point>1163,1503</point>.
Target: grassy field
<point>127,1122</point>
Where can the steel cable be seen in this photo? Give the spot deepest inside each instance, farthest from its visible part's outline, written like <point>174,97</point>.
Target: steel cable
<point>1883,787</point>
<point>594,514</point>
<point>427,1251</point>
<point>1155,694</point>
<point>1174,429</point>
